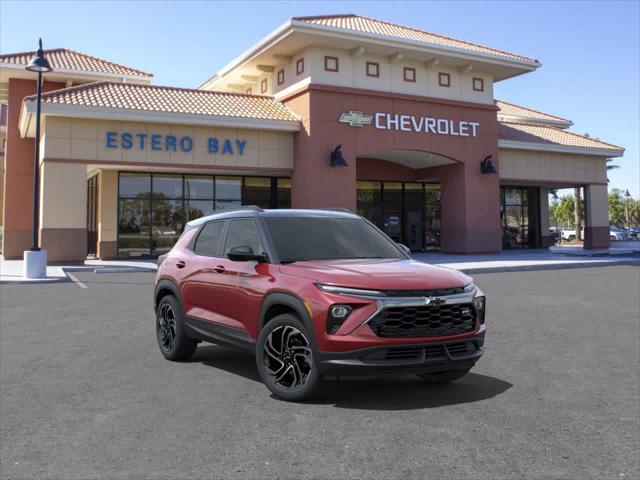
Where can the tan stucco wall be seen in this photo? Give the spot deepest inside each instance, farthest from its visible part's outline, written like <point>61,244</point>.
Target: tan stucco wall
<point>63,195</point>
<point>352,74</point>
<point>552,167</point>
<point>85,140</point>
<point>108,206</point>
<point>597,211</point>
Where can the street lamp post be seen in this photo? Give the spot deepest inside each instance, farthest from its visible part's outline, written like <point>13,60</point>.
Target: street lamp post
<point>35,260</point>
<point>626,208</point>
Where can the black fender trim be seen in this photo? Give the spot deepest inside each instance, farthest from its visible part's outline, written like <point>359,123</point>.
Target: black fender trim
<point>289,300</point>
<point>218,334</point>
<point>166,284</point>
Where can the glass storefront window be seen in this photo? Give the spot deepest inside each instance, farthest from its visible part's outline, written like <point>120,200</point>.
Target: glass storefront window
<point>257,191</point>
<point>198,208</point>
<point>283,199</point>
<point>153,208</point>
<point>228,192</point>
<point>134,220</point>
<point>135,184</point>
<point>199,188</point>
<point>167,186</point>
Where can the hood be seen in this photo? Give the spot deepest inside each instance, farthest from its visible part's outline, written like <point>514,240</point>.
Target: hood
<point>378,274</point>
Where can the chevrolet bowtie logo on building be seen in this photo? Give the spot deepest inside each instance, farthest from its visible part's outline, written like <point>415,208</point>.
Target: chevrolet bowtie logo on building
<point>356,119</point>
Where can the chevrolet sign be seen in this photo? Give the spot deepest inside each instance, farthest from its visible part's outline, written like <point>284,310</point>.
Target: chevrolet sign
<point>355,119</point>
<point>410,123</point>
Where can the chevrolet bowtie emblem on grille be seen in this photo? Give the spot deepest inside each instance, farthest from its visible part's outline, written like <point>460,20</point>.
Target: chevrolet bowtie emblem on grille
<point>434,301</point>
<point>356,119</point>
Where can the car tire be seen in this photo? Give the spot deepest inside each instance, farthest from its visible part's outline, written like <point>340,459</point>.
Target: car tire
<point>571,238</point>
<point>444,377</point>
<point>172,339</point>
<point>286,360</point>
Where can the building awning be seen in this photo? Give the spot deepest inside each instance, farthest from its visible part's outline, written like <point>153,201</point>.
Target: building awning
<point>149,103</point>
<point>545,138</point>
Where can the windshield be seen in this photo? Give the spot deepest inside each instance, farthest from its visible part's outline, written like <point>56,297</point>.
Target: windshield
<point>326,238</point>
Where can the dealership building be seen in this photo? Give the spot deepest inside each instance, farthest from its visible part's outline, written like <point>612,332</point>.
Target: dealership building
<point>398,124</point>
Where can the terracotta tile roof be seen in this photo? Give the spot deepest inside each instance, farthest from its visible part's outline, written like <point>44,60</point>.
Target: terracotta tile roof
<point>65,59</point>
<point>517,132</point>
<point>513,110</point>
<point>379,27</point>
<point>152,98</point>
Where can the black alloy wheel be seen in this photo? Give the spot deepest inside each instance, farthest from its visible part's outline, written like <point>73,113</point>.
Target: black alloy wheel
<point>173,341</point>
<point>285,358</point>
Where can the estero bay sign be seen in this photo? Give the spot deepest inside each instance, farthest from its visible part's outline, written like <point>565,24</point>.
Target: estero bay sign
<point>171,143</point>
<point>411,123</point>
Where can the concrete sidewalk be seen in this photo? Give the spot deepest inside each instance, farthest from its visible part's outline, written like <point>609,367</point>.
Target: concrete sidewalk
<point>11,270</point>
<point>506,261</point>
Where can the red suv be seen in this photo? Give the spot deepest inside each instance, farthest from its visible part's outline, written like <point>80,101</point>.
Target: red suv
<point>315,293</point>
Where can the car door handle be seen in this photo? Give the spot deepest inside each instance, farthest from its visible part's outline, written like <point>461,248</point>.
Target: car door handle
<point>180,264</point>
<point>218,269</point>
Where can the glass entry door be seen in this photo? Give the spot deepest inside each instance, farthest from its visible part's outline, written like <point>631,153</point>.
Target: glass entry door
<point>92,216</point>
<point>519,217</point>
<point>409,212</point>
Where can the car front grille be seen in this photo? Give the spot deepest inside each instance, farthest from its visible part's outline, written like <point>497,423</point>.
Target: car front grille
<point>424,321</point>
<point>430,352</point>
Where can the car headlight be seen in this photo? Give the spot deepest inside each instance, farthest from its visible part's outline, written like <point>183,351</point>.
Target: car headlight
<point>470,288</point>
<point>480,306</point>
<point>336,316</point>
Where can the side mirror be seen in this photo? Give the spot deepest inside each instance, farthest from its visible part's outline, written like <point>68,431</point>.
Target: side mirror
<point>244,253</point>
<point>404,248</point>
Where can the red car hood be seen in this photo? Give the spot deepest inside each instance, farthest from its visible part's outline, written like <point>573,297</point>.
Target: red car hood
<point>378,274</point>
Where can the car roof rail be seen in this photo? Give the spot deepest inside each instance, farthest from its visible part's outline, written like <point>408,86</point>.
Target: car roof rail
<point>251,208</point>
<point>335,209</point>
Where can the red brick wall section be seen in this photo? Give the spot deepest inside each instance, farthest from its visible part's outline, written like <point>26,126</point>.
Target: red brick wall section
<point>18,178</point>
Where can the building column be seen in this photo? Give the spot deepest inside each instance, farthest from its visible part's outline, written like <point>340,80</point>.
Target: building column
<point>470,209</point>
<point>546,240</point>
<point>596,216</point>
<point>63,211</point>
<point>107,214</point>
<point>314,182</point>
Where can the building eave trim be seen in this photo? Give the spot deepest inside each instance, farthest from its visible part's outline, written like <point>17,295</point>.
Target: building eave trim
<point>533,121</point>
<point>127,115</point>
<point>541,147</point>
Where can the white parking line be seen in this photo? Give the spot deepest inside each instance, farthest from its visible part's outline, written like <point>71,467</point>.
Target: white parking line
<point>75,280</point>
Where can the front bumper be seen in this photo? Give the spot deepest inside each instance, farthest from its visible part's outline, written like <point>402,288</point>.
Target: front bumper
<point>401,359</point>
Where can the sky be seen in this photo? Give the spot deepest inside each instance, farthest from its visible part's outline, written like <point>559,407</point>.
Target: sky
<point>590,51</point>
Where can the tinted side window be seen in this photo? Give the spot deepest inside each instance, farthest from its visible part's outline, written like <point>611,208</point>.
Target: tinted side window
<point>208,241</point>
<point>244,232</point>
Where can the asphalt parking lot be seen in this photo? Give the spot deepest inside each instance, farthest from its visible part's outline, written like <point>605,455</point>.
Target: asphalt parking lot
<point>85,393</point>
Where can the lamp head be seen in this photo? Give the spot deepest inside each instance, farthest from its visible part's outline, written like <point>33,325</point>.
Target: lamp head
<point>39,62</point>
<point>486,166</point>
<point>337,160</point>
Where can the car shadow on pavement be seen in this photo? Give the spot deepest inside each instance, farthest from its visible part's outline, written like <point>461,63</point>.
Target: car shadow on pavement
<point>406,392</point>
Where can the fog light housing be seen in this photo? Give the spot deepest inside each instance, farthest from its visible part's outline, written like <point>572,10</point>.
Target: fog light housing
<point>480,304</point>
<point>336,316</point>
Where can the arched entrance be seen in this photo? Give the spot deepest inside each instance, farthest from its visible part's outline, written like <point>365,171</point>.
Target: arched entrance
<point>399,191</point>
